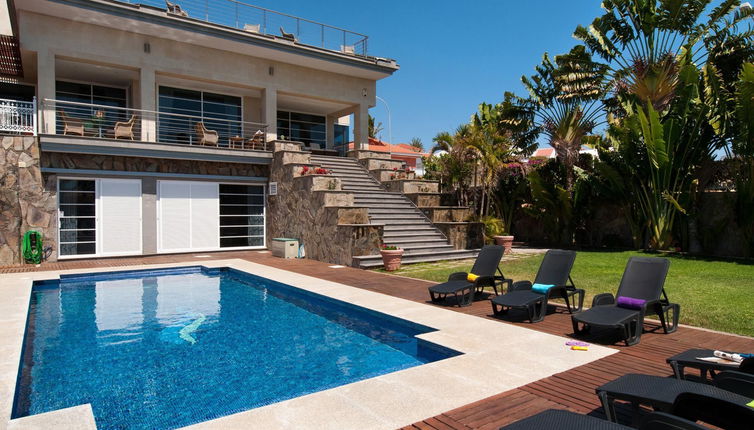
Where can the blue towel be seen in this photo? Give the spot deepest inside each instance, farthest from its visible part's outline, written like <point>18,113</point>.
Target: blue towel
<point>541,288</point>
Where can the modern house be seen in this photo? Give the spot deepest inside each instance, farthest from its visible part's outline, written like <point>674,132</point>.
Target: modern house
<point>155,127</point>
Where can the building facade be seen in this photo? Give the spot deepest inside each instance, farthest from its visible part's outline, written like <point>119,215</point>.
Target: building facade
<point>152,125</point>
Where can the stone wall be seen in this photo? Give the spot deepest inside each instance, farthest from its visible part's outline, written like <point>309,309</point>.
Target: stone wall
<point>156,165</point>
<point>314,210</point>
<point>463,235</point>
<point>27,198</point>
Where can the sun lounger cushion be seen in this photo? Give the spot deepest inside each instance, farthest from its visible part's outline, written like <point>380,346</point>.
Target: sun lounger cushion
<point>471,277</point>
<point>541,288</point>
<point>630,303</point>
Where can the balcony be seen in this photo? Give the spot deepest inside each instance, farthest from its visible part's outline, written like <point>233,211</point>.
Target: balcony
<point>108,130</point>
<point>18,117</point>
<point>265,22</point>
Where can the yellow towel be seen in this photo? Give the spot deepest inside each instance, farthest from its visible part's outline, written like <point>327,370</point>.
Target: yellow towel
<point>579,348</point>
<point>471,277</point>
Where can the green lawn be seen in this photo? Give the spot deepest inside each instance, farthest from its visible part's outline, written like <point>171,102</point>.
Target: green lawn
<point>714,294</point>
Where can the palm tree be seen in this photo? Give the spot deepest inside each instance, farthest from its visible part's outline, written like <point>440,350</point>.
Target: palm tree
<point>417,143</point>
<point>669,68</point>
<point>567,115</point>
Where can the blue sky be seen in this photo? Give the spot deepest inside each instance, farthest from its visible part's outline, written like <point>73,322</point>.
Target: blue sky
<point>453,55</point>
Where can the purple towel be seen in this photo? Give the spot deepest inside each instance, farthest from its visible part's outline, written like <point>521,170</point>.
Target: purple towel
<point>576,343</point>
<point>630,303</point>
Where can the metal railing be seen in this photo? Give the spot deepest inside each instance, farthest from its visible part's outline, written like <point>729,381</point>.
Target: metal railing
<point>87,120</point>
<point>18,117</point>
<point>258,20</point>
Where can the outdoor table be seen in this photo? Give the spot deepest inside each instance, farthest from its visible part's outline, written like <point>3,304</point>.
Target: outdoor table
<point>236,141</point>
<point>690,358</point>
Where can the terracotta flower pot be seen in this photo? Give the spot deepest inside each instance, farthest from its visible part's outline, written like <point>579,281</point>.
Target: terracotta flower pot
<point>505,241</point>
<point>391,259</point>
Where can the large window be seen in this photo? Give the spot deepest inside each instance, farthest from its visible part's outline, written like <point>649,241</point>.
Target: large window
<point>78,222</point>
<point>218,112</point>
<point>100,104</point>
<point>241,215</point>
<point>340,139</point>
<point>302,127</point>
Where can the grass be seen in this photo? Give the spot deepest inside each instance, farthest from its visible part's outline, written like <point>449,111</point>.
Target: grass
<point>715,294</point>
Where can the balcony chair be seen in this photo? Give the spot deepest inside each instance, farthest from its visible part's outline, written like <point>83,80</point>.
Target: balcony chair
<point>287,36</point>
<point>256,141</point>
<point>73,126</point>
<point>552,282</point>
<point>175,9</point>
<point>125,129</point>
<point>206,137</point>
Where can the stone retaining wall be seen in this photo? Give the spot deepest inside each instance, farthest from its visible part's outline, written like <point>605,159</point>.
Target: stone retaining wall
<point>27,198</point>
<point>314,210</point>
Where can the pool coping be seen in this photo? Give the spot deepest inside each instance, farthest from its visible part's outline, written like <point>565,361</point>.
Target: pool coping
<point>496,358</point>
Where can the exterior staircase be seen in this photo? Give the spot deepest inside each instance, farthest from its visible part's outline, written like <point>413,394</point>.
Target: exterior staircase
<point>406,226</point>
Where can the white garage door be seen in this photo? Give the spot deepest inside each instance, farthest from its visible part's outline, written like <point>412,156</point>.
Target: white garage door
<point>188,216</point>
<point>120,219</point>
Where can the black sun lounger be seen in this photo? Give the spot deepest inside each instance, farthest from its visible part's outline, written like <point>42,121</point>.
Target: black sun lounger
<point>565,420</point>
<point>733,389</point>
<point>485,266</point>
<point>640,293</point>
<point>555,270</point>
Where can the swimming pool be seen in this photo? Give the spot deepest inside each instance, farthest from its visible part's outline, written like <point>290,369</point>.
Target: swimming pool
<point>169,348</point>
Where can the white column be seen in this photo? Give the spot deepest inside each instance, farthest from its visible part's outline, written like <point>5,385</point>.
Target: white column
<point>361,126</point>
<point>46,90</point>
<point>148,100</point>
<point>270,112</point>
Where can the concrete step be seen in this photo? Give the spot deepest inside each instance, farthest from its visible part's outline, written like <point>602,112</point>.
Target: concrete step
<point>399,215</point>
<point>371,261</point>
<point>413,243</point>
<point>411,227</point>
<point>379,204</point>
<point>397,209</point>
<point>350,175</point>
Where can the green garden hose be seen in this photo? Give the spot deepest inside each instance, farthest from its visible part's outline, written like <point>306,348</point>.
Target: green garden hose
<point>31,247</point>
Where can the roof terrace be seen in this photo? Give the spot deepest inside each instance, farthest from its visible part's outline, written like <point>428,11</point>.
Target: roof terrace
<point>258,20</point>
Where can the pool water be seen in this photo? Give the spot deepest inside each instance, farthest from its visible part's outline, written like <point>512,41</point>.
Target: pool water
<point>165,349</point>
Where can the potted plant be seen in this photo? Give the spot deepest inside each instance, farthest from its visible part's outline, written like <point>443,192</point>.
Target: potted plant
<point>391,257</point>
<point>494,230</point>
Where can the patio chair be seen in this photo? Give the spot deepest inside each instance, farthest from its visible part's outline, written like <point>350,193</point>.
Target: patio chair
<point>206,137</point>
<point>483,271</point>
<point>640,293</point>
<point>566,420</point>
<point>662,393</point>
<point>125,129</point>
<point>73,126</point>
<point>175,9</point>
<point>287,36</point>
<point>555,272</point>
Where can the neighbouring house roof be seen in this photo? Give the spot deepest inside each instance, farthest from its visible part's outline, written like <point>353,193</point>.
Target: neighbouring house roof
<point>550,152</point>
<point>397,149</point>
<point>544,153</point>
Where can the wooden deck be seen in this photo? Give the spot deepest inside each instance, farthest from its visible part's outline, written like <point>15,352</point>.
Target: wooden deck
<point>572,390</point>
